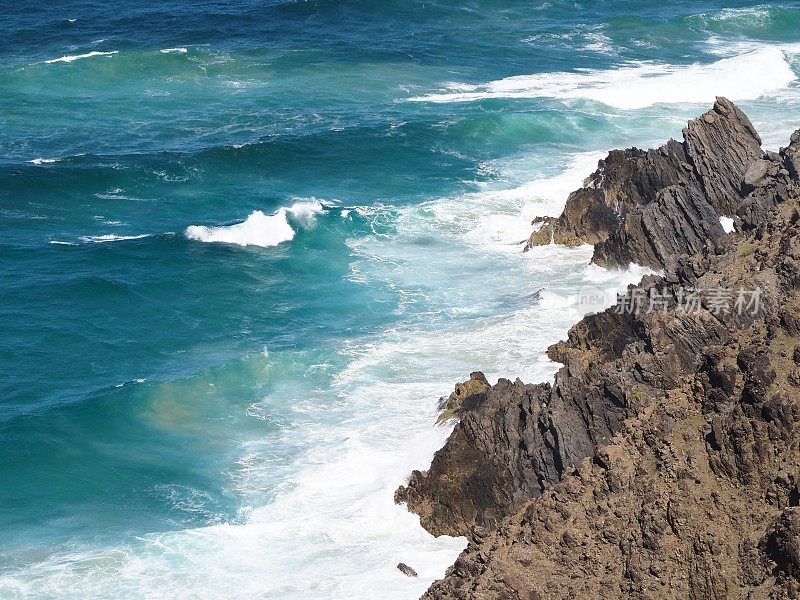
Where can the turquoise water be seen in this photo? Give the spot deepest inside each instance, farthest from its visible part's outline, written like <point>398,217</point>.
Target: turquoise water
<point>201,400</point>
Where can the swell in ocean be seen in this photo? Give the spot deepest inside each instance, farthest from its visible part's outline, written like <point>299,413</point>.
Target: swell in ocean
<point>379,401</point>
<point>243,395</point>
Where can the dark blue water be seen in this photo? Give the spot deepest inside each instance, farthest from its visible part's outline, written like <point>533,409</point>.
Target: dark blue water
<point>245,246</point>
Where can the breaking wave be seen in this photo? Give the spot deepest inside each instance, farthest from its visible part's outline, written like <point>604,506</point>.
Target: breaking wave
<point>74,57</point>
<point>259,229</point>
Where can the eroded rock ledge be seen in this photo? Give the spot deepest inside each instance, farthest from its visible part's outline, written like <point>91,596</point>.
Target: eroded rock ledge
<point>664,459</point>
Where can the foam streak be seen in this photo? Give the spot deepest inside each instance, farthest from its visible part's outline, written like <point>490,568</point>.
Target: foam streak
<point>641,85</point>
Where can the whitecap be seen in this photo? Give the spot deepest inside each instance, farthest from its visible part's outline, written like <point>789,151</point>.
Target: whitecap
<point>100,239</point>
<point>60,243</point>
<point>639,85</point>
<point>113,194</point>
<point>499,220</point>
<point>174,51</point>
<point>43,161</point>
<point>74,57</point>
<point>599,42</point>
<point>259,229</point>
<point>591,39</point>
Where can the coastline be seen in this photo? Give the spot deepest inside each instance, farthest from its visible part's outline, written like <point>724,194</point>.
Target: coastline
<point>522,450</point>
<point>247,252</point>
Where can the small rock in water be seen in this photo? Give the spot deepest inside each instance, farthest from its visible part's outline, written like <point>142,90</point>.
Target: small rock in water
<point>536,296</point>
<point>406,570</point>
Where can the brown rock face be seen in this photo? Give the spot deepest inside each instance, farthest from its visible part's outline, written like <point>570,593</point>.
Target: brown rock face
<point>664,459</point>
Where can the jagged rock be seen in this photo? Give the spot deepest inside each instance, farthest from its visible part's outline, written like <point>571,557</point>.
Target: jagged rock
<point>791,155</point>
<point>664,459</point>
<point>769,183</point>
<point>674,223</point>
<point>406,570</point>
<point>720,152</point>
<point>518,439</point>
<point>648,207</point>
<point>467,394</point>
<point>781,544</point>
<point>472,480</point>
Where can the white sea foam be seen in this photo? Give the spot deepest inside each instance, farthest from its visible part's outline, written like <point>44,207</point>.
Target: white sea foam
<point>751,16</point>
<point>586,38</point>
<point>74,57</point>
<point>113,194</point>
<point>61,243</point>
<point>727,224</point>
<point>102,239</point>
<point>640,85</point>
<point>333,530</point>
<point>306,211</point>
<point>44,161</point>
<point>598,42</point>
<point>174,51</point>
<point>500,219</point>
<point>259,229</point>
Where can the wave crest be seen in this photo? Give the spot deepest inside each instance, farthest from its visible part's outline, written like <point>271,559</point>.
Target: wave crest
<point>641,85</point>
<point>74,57</point>
<point>101,239</point>
<point>259,229</point>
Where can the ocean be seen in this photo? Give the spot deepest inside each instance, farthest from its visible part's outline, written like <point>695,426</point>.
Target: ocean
<point>246,246</point>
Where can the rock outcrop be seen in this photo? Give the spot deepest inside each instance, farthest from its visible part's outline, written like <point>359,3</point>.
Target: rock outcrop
<point>664,459</point>
<point>649,207</point>
<point>406,570</point>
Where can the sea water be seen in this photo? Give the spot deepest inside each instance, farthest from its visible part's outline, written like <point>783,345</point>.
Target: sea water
<point>246,246</point>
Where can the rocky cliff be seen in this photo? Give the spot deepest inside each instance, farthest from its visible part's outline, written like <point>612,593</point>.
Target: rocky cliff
<point>664,458</point>
<point>650,206</point>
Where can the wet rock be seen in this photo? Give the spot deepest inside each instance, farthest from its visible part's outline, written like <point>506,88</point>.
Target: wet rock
<point>406,570</point>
